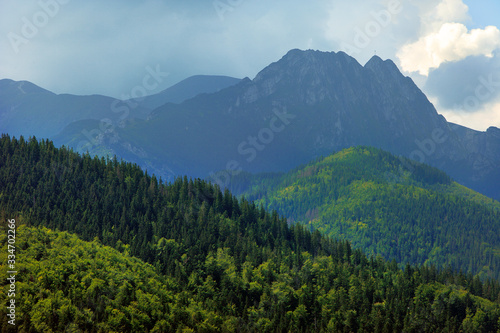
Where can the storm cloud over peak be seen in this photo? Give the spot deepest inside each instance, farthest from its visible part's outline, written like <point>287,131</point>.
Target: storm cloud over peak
<point>466,85</point>
<point>93,47</point>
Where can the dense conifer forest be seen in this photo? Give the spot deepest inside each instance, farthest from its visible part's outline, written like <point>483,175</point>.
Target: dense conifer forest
<point>103,246</point>
<point>393,207</point>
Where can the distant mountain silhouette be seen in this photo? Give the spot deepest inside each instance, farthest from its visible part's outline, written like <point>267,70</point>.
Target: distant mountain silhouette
<point>188,88</point>
<point>26,109</point>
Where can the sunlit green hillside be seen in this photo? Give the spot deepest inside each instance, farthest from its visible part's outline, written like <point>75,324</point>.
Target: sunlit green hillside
<point>389,206</point>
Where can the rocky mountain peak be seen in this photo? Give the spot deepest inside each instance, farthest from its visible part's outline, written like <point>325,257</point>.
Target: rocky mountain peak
<point>310,76</point>
<point>384,69</point>
<point>298,64</point>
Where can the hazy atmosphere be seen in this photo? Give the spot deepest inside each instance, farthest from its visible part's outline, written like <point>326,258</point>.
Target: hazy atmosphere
<point>451,48</point>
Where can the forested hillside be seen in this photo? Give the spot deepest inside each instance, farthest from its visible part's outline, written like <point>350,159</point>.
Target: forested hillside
<point>215,263</point>
<point>389,206</point>
<point>68,285</point>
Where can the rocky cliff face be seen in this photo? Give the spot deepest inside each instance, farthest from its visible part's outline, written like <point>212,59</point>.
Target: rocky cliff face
<point>482,159</point>
<point>340,103</point>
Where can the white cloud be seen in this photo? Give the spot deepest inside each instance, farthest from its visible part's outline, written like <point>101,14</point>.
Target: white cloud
<point>451,11</point>
<point>452,42</point>
<point>479,120</point>
<point>444,37</point>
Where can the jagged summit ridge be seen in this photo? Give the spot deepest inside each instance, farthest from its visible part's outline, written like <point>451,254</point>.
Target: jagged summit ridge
<point>314,76</point>
<point>333,102</point>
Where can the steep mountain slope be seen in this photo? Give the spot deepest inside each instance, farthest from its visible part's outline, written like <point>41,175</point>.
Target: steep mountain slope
<point>309,104</point>
<point>484,154</point>
<point>229,266</point>
<point>392,207</point>
<point>110,142</point>
<point>188,88</point>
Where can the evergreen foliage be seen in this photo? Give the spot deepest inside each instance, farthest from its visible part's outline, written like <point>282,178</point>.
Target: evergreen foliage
<point>388,206</point>
<point>213,263</point>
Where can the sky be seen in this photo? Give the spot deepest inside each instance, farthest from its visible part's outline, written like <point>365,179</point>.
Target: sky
<point>450,48</point>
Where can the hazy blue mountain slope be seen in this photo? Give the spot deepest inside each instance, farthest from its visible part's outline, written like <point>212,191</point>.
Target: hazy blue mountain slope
<point>188,88</point>
<point>26,109</point>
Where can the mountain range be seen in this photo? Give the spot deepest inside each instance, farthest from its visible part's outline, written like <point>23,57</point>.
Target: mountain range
<point>307,104</point>
<point>27,109</point>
